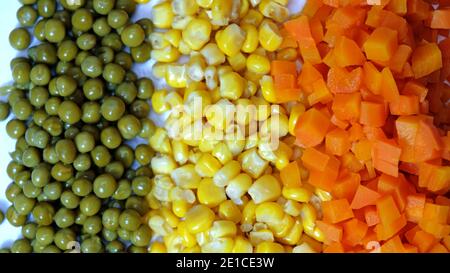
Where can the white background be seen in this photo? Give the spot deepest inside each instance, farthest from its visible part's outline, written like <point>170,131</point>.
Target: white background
<point>8,22</point>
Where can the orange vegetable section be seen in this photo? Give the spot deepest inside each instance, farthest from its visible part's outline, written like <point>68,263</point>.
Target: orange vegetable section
<point>375,134</point>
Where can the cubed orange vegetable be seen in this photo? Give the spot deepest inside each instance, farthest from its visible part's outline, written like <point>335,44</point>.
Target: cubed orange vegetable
<point>336,211</point>
<point>311,128</point>
<point>381,44</point>
<point>290,175</point>
<point>347,52</point>
<point>336,142</point>
<point>354,232</point>
<point>373,114</point>
<point>426,59</point>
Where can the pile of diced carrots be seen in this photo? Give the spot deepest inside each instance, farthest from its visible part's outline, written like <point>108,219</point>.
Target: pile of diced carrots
<point>375,77</point>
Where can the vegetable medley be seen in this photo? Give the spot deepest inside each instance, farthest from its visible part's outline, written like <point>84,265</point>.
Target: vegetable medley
<point>323,131</point>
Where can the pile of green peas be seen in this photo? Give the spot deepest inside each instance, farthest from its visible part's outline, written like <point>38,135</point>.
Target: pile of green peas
<point>76,104</point>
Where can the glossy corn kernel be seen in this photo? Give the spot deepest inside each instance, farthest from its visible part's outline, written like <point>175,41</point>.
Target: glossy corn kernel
<point>222,153</point>
<point>269,36</point>
<point>323,195</point>
<point>209,194</point>
<point>177,193</point>
<point>230,39</point>
<point>211,78</point>
<point>180,207</point>
<point>174,243</point>
<point>297,194</point>
<point>309,216</point>
<point>292,208</point>
<point>199,218</point>
<point>159,225</point>
<point>287,54</point>
<point>223,228</point>
<point>173,36</point>
<point>162,185</point>
<point>266,188</point>
<point>231,85</point>
<point>221,12</point>
<point>159,103</point>
<point>269,213</point>
<point>180,151</point>
<point>157,40</point>
<point>157,247</point>
<point>220,114</point>
<point>220,245</point>
<point>268,89</point>
<point>226,173</point>
<point>303,248</point>
<point>207,165</point>
<point>162,15</point>
<point>238,186</point>
<point>235,140</point>
<point>184,48</point>
<point>206,4</point>
<point>296,111</point>
<point>228,210</point>
<point>252,163</point>
<point>212,54</point>
<point>163,164</point>
<point>269,247</point>
<point>242,245</point>
<point>251,41</point>
<point>160,142</point>
<point>180,22</point>
<point>188,239</point>
<point>166,54</point>
<point>253,17</point>
<point>197,33</point>
<point>272,9</point>
<point>176,75</point>
<point>248,216</point>
<point>237,62</point>
<point>261,235</point>
<point>282,228</point>
<point>184,7</point>
<point>169,217</point>
<point>186,177</point>
<point>258,64</point>
<point>293,235</point>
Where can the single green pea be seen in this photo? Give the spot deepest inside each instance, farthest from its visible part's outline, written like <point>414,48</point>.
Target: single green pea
<point>101,27</point>
<point>141,53</point>
<point>27,16</point>
<point>40,75</point>
<point>86,41</point>
<point>69,199</point>
<point>45,53</point>
<point>15,128</point>
<point>22,177</point>
<point>82,19</point>
<point>117,18</point>
<point>14,217</point>
<point>51,249</point>
<point>92,245</point>
<point>30,190</point>
<point>38,96</point>
<point>133,35</point>
<point>69,112</point>
<point>111,138</point>
<point>46,8</point>
<point>145,88</point>
<point>23,204</point>
<point>20,39</point>
<point>144,154</point>
<point>110,218</point>
<point>67,51</point>
<point>92,66</point>
<point>147,26</point>
<point>29,231</point>
<point>113,41</point>
<point>65,85</point>
<point>115,246</point>
<point>113,73</point>
<point>63,238</point>
<point>130,220</point>
<point>116,169</point>
<point>44,235</point>
<point>92,225</point>
<point>105,185</point>
<point>12,191</point>
<point>43,214</point>
<point>109,235</point>
<point>82,163</point>
<point>112,108</point>
<point>129,126</point>
<point>91,112</point>
<point>21,246</point>
<point>31,157</point>
<point>82,187</point>
<point>64,218</point>
<point>4,111</point>
<point>52,106</point>
<point>40,176</point>
<point>53,190</point>
<point>66,150</point>
<point>124,59</point>
<point>136,249</point>
<point>141,185</point>
<point>142,236</point>
<point>123,190</point>
<point>138,204</point>
<point>125,155</point>
<point>140,109</point>
<point>61,172</point>
<point>55,30</point>
<point>127,91</point>
<point>124,234</point>
<point>39,29</point>
<point>101,156</point>
<point>90,205</point>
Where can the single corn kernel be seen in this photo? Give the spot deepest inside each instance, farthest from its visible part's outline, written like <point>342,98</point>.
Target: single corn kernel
<point>303,248</point>
<point>231,85</point>
<point>226,173</point>
<point>238,186</point>
<point>176,75</point>
<point>220,114</point>
<point>219,245</point>
<point>261,235</point>
<point>253,17</point>
<point>269,247</point>
<point>258,64</point>
<point>296,111</point>
<point>255,2</point>
<point>223,228</point>
<point>159,103</point>
<point>284,227</point>
<point>203,237</point>
<point>269,213</point>
<point>206,4</point>
<point>173,36</point>
<point>237,62</point>
<point>269,36</point>
<point>159,70</point>
<point>157,247</point>
<point>211,77</point>
<point>159,225</point>
<point>287,54</point>
<point>309,216</point>
<point>220,13</point>
<point>160,142</point>
<point>163,164</point>
<point>222,153</point>
<point>162,184</point>
<point>196,67</point>
<point>180,207</point>
<point>245,113</point>
<point>292,208</point>
<point>262,107</point>
<point>162,15</point>
<point>235,140</point>
<point>180,151</point>
<point>167,54</point>
<point>212,54</point>
<point>169,217</point>
<point>251,41</point>
<point>189,239</point>
<point>157,40</point>
<point>242,245</point>
<point>184,7</point>
<point>209,194</point>
<point>294,234</point>
<point>152,202</point>
<point>323,195</point>
<point>199,218</point>
<point>207,165</point>
<point>252,163</point>
<point>180,22</point>
<point>197,33</point>
<point>249,214</point>
<point>266,188</point>
<point>228,210</point>
<point>230,39</point>
<point>184,48</point>
<point>273,10</point>
<point>174,243</point>
<point>186,177</point>
<point>268,89</point>
<point>297,194</point>
<point>177,193</point>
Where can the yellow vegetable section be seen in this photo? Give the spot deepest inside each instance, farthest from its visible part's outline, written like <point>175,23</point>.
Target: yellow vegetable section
<point>219,188</point>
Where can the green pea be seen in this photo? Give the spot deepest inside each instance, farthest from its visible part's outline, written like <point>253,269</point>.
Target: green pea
<point>61,172</point>
<point>69,199</point>
<point>116,169</point>
<point>123,190</point>
<point>21,246</point>
<point>92,66</point>
<point>82,19</point>
<point>23,204</point>
<point>113,73</point>
<point>133,35</point>
<point>43,214</point>
<point>44,235</point>
<point>101,27</point>
<point>14,217</point>
<point>111,138</point>
<point>82,163</point>
<point>142,236</point>
<point>130,220</point>
<point>112,108</point>
<point>92,225</point>
<point>46,8</point>
<point>27,16</point>
<point>53,191</point>
<point>69,112</point>
<point>90,205</point>
<point>92,245</point>
<point>63,238</point>
<point>55,30</point>
<point>141,185</point>
<point>19,39</point>
<point>66,85</point>
<point>105,185</point>
<point>64,218</point>
<point>129,126</point>
<point>29,231</point>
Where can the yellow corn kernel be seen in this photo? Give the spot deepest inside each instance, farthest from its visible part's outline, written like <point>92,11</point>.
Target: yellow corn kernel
<point>157,40</point>
<point>160,142</point>
<point>268,89</point>
<point>252,163</point>
<point>249,215</point>
<point>245,112</point>
<point>196,101</point>
<point>180,151</point>
<point>180,22</point>
<point>261,235</point>
<point>173,36</point>
<point>169,217</point>
<point>237,62</point>
<point>176,75</point>
<point>157,247</point>
<point>162,184</point>
<point>159,70</point>
<point>269,35</point>
<point>174,243</point>
<point>303,248</point>
<point>238,187</point>
<point>235,140</point>
<point>180,207</point>
<point>209,194</point>
<point>226,173</point>
<point>212,54</point>
<point>250,89</point>
<point>194,249</point>
<point>162,15</point>
<point>242,245</point>
<point>265,188</point>
<point>273,10</point>
<point>184,7</point>
<point>209,139</point>
<point>294,234</point>
<point>269,247</point>
<point>206,4</point>
<point>222,153</point>
<point>199,218</point>
<point>269,213</point>
<point>287,54</point>
<point>203,237</point>
<point>163,164</point>
<point>244,8</point>
<point>197,33</point>
<point>323,195</point>
<point>255,2</point>
<point>221,70</point>
<point>194,155</point>
<point>211,77</point>
<point>253,17</point>
<point>189,239</point>
<point>167,54</point>
<point>297,194</point>
<point>230,39</point>
<point>177,193</point>
<point>207,165</point>
<point>292,208</point>
<point>258,64</point>
<point>152,201</point>
<point>228,210</point>
<point>231,85</point>
<point>196,67</point>
<point>296,111</point>
<point>184,48</point>
<point>221,12</point>
<point>159,225</point>
<point>159,103</point>
<point>186,177</point>
<point>317,234</point>
<point>223,228</point>
<point>219,245</point>
<point>309,216</point>
<point>220,114</point>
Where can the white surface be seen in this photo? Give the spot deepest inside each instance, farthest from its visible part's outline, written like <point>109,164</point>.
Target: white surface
<point>9,233</point>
